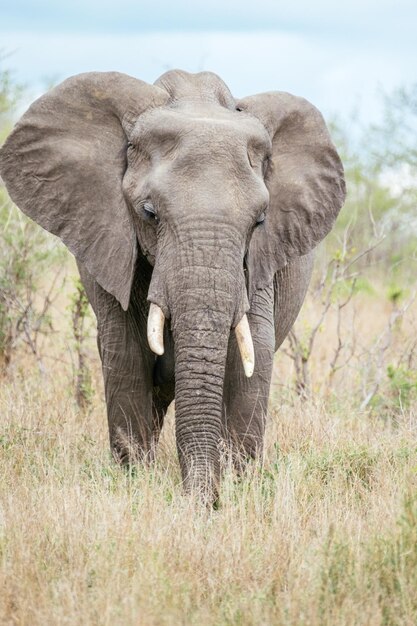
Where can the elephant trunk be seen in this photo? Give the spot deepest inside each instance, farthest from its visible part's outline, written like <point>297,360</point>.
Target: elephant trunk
<point>204,304</point>
<point>200,357</point>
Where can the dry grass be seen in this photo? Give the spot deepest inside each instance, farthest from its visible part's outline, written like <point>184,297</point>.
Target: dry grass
<point>324,533</point>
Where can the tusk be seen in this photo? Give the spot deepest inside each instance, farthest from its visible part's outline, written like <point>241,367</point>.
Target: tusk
<point>156,320</point>
<point>244,341</point>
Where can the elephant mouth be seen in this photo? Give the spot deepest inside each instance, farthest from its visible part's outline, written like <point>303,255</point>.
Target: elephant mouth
<point>155,331</point>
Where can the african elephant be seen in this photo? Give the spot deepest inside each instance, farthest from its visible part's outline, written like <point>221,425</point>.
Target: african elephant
<point>192,217</point>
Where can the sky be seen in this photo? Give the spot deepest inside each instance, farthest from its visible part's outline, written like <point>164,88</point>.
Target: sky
<point>341,56</point>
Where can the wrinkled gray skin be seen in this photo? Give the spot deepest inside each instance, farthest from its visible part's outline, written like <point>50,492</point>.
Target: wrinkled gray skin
<point>95,156</point>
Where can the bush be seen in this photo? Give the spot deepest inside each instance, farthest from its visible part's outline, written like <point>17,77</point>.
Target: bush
<point>26,256</point>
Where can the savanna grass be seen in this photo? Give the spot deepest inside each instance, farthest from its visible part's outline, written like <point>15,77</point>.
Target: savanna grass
<point>325,532</point>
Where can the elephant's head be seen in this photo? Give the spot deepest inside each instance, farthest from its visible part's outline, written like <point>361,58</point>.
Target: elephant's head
<point>219,194</point>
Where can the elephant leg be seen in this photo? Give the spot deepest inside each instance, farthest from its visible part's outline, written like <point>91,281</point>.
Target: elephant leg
<point>127,364</point>
<point>246,399</point>
<point>272,314</point>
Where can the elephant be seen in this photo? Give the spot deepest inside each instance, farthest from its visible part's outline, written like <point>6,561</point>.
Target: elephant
<point>193,217</point>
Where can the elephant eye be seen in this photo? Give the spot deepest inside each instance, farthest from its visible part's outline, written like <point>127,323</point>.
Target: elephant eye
<point>129,144</point>
<point>149,212</point>
<point>261,218</point>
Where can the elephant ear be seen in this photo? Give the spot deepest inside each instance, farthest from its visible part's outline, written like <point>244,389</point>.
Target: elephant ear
<point>63,165</point>
<point>305,181</point>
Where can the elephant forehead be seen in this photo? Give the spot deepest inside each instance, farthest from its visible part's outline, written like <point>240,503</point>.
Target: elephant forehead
<point>190,120</point>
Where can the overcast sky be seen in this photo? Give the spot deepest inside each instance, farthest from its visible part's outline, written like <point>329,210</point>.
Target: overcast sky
<point>338,55</point>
